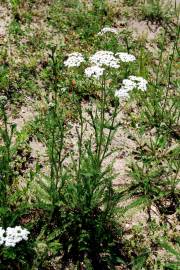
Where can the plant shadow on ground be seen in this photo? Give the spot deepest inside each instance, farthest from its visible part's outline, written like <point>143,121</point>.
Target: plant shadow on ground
<point>89,238</point>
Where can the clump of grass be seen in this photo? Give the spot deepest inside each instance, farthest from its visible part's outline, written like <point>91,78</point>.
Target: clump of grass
<point>84,20</point>
<point>156,11</point>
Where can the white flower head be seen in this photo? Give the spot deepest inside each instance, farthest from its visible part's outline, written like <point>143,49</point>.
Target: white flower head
<point>15,235</point>
<point>108,30</point>
<point>94,71</point>
<point>129,84</point>
<point>21,233</point>
<point>105,58</point>
<point>2,231</point>
<point>126,57</point>
<point>11,239</point>
<point>141,83</point>
<point>74,60</point>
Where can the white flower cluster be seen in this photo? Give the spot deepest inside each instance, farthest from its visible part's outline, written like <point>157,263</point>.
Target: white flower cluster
<point>126,57</point>
<point>12,236</point>
<point>108,30</point>
<point>141,83</point>
<point>105,58</point>
<point>94,71</point>
<point>99,60</point>
<point>129,84</point>
<point>74,60</point>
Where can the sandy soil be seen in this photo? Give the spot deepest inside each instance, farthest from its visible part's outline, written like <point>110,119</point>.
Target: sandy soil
<point>4,22</point>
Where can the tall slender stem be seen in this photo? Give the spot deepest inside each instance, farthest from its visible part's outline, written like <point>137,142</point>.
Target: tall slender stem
<point>108,140</point>
<point>80,138</point>
<point>102,116</point>
<point>170,69</point>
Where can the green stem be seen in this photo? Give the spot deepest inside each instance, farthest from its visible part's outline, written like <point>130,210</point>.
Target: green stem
<point>170,70</point>
<point>102,117</point>
<point>80,139</point>
<point>160,58</point>
<point>109,134</point>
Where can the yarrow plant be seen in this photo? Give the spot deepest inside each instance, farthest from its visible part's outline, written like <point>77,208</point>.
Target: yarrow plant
<point>77,212</point>
<point>74,60</point>
<point>108,30</point>
<point>12,236</point>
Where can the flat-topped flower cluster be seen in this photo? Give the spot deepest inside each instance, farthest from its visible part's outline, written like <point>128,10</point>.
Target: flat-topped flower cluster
<point>102,60</point>
<point>11,236</point>
<point>99,60</point>
<point>129,84</point>
<point>126,57</point>
<point>74,60</point>
<point>105,58</point>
